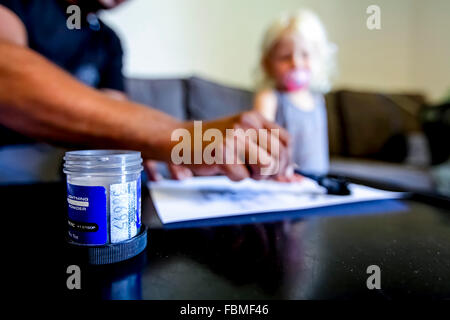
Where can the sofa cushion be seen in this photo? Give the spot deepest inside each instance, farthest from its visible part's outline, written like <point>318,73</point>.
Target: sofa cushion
<point>208,100</point>
<point>396,175</point>
<point>371,120</point>
<point>335,138</point>
<point>167,95</point>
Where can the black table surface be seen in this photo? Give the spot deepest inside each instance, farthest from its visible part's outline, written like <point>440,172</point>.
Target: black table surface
<point>320,255</point>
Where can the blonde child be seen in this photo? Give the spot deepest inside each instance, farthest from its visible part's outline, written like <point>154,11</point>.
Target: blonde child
<point>296,63</point>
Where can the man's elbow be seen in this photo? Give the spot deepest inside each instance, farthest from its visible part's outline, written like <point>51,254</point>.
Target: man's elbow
<point>12,29</point>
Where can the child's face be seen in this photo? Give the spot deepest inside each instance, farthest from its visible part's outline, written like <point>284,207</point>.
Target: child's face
<point>288,54</point>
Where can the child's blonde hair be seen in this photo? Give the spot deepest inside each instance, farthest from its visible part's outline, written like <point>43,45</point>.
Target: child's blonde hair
<point>308,26</point>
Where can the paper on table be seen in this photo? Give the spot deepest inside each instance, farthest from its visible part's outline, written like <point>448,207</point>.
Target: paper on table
<point>214,197</point>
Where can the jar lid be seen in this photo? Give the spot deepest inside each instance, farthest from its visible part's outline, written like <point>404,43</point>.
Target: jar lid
<point>114,252</point>
<point>102,162</point>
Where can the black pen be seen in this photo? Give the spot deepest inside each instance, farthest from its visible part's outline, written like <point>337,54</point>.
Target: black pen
<point>334,186</point>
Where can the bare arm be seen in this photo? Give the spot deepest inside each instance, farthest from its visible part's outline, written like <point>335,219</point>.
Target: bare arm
<point>40,100</point>
<point>265,103</point>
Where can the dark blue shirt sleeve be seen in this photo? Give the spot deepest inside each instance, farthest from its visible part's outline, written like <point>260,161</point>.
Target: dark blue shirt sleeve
<point>111,74</point>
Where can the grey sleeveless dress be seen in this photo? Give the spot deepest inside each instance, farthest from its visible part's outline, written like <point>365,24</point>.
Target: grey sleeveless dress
<point>309,133</point>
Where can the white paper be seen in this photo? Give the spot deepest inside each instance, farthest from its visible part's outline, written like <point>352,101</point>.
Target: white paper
<point>214,197</point>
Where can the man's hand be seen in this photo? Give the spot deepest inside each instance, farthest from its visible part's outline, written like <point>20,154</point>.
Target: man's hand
<point>271,149</point>
<point>261,155</point>
<point>176,172</point>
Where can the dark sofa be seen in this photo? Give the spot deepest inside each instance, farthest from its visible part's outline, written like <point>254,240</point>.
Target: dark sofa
<point>371,134</point>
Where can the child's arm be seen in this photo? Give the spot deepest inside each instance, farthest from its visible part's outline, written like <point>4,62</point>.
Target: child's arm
<point>265,102</point>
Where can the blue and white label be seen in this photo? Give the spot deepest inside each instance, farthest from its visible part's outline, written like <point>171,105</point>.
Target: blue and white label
<point>125,210</point>
<point>87,216</point>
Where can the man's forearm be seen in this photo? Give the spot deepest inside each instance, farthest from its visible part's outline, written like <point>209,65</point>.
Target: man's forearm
<point>40,100</point>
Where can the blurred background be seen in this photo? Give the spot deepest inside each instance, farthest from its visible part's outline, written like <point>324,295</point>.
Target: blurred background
<point>220,40</point>
<point>389,109</point>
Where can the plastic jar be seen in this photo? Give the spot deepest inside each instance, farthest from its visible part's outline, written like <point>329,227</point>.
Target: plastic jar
<point>103,195</point>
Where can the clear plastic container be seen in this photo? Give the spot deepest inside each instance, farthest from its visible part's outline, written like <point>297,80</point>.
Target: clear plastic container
<point>103,195</point>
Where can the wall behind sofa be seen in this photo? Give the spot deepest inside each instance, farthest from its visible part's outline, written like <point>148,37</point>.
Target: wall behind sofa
<point>220,40</point>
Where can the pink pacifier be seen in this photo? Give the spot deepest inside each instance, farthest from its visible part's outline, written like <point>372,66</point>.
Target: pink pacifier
<point>297,79</point>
